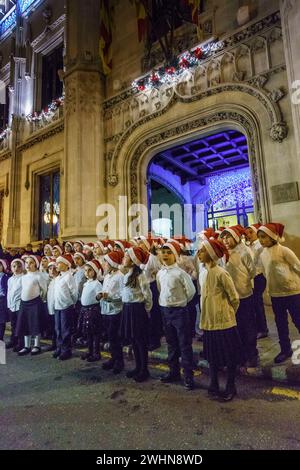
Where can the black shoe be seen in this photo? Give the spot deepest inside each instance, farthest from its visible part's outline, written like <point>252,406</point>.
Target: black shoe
<point>132,373</point>
<point>56,354</point>
<point>213,391</point>
<point>252,363</point>
<point>228,395</point>
<point>170,378</point>
<point>142,377</point>
<point>188,383</point>
<point>35,351</point>
<point>118,367</point>
<point>65,356</point>
<point>10,345</point>
<point>262,334</point>
<point>281,357</point>
<point>94,358</point>
<point>108,365</point>
<point>24,352</point>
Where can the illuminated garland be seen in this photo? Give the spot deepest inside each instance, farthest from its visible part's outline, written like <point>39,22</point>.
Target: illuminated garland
<point>171,73</point>
<point>231,188</point>
<point>48,112</point>
<point>4,134</point>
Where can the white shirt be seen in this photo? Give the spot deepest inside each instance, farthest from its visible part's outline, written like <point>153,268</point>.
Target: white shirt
<point>89,292</point>
<point>140,293</point>
<point>175,286</point>
<point>256,250</point>
<point>65,291</point>
<point>282,270</point>
<point>242,269</point>
<point>152,268</point>
<point>80,279</point>
<point>14,289</point>
<point>50,297</point>
<point>112,284</point>
<point>33,285</point>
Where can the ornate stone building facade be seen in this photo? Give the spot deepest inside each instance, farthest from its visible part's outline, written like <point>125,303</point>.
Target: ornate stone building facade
<point>101,135</point>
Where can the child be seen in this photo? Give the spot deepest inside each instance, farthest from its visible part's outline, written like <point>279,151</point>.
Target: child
<point>44,272</point>
<point>137,302</point>
<point>53,274</point>
<point>30,317</point>
<point>111,308</point>
<point>282,270</point>
<point>65,298</point>
<point>56,251</point>
<point>242,270</point>
<point>4,315</point>
<point>14,301</point>
<point>90,311</point>
<point>48,250</point>
<point>176,291</point>
<point>68,248</point>
<point>219,303</point>
<point>259,281</point>
<point>80,280</point>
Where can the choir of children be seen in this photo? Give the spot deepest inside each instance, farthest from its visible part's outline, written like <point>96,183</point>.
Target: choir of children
<point>134,293</point>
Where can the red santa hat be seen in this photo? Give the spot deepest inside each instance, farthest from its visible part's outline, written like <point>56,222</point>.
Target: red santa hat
<point>114,258</point>
<point>80,242</point>
<point>95,265</point>
<point>219,230</point>
<point>19,260</point>
<point>174,246</point>
<point>49,247</point>
<point>66,259</point>
<point>138,256</point>
<point>79,255</point>
<point>236,231</point>
<point>89,247</point>
<point>58,248</point>
<point>148,242</point>
<point>110,244</point>
<point>254,227</point>
<point>69,244</point>
<point>37,259</point>
<point>207,233</point>
<point>52,263</point>
<point>123,244</point>
<point>216,249</point>
<point>5,265</point>
<point>159,241</point>
<point>100,244</point>
<point>274,230</point>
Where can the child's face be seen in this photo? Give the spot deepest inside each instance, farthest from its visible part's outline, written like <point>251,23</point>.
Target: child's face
<point>62,267</point>
<point>68,249</point>
<point>47,251</point>
<point>16,267</point>
<point>30,265</point>
<point>53,271</point>
<point>250,234</point>
<point>203,255</point>
<point>56,252</point>
<point>77,247</point>
<point>127,262</point>
<point>98,251</point>
<point>167,256</point>
<point>265,240</point>
<point>79,261</point>
<point>107,267</point>
<point>44,263</point>
<point>89,273</point>
<point>229,241</point>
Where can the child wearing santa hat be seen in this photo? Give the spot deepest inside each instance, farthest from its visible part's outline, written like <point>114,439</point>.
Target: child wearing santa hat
<point>4,314</point>
<point>176,291</point>
<point>111,308</point>
<point>80,280</point>
<point>242,270</point>
<point>282,270</point>
<point>219,303</point>
<point>90,311</point>
<point>14,289</point>
<point>259,281</point>
<point>137,304</point>
<point>65,298</point>
<point>53,274</point>
<point>30,317</point>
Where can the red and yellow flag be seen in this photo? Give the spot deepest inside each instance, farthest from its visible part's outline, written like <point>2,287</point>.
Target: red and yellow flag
<point>142,20</point>
<point>105,45</point>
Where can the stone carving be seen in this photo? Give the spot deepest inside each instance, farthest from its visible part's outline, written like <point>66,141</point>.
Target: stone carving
<point>279,131</point>
<point>277,95</point>
<point>113,180</point>
<point>259,81</point>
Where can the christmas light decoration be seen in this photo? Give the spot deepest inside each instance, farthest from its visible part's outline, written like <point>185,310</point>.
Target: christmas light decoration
<point>226,190</point>
<point>48,112</point>
<point>171,73</point>
<point>4,134</point>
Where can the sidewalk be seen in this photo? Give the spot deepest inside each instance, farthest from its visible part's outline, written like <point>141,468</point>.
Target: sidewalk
<point>268,348</point>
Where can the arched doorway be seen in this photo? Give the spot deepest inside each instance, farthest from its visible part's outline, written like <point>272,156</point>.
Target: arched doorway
<point>211,171</point>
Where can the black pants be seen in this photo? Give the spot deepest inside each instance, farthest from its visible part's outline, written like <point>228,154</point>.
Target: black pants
<point>63,326</point>
<point>178,335</point>
<point>140,351</point>
<point>112,328</point>
<point>93,344</point>
<point>281,306</point>
<point>245,317</point>
<point>260,283</point>
<point>155,321</point>
<point>2,331</point>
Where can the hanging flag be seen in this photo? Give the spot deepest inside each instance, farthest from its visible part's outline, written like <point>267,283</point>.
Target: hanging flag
<point>142,20</point>
<point>105,45</point>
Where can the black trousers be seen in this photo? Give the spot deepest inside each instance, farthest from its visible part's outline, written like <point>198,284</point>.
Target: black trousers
<point>260,283</point>
<point>245,317</point>
<point>93,344</point>
<point>155,321</point>
<point>281,306</point>
<point>113,323</point>
<point>178,336</point>
<point>64,321</point>
<point>140,351</point>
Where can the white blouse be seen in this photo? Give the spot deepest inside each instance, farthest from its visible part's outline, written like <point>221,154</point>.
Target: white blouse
<point>65,291</point>
<point>140,293</point>
<point>89,292</point>
<point>14,290</point>
<point>242,269</point>
<point>33,285</point>
<point>112,284</point>
<point>175,286</point>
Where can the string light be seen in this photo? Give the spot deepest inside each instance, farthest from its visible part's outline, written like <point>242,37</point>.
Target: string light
<point>48,112</point>
<point>226,190</point>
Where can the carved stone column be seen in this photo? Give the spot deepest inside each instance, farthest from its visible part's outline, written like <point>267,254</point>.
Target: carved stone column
<point>83,168</point>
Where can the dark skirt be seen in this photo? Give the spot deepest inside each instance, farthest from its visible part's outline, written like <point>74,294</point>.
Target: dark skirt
<point>91,319</point>
<point>222,348</point>
<point>30,318</point>
<point>134,323</point>
<point>4,313</point>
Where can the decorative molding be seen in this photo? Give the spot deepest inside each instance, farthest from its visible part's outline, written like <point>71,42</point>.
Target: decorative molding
<point>5,156</point>
<point>42,136</point>
<point>6,192</point>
